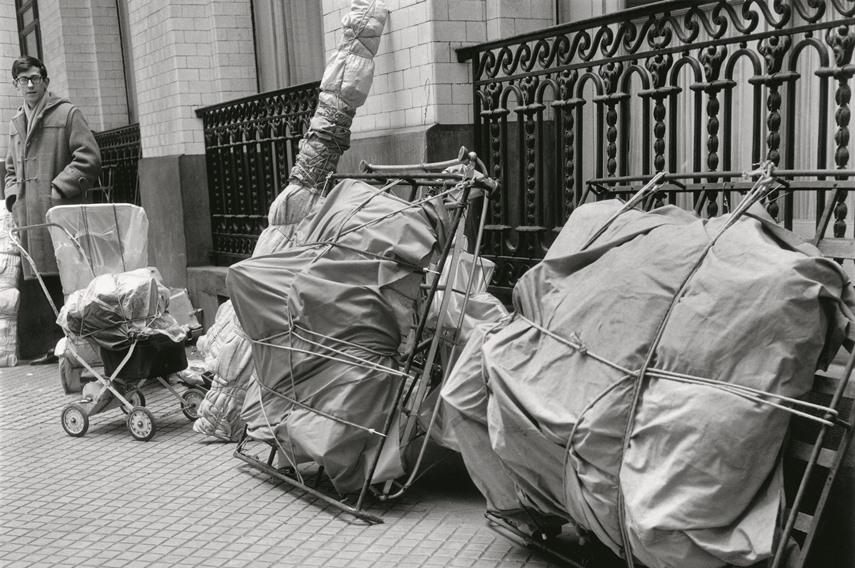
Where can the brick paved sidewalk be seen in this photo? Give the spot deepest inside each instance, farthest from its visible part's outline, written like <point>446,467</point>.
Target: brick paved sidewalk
<point>182,500</point>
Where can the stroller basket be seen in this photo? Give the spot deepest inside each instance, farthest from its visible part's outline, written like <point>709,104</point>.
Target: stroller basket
<point>155,356</point>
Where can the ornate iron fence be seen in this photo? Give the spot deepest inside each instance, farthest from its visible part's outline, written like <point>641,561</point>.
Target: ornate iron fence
<point>120,156</point>
<point>684,86</point>
<point>250,147</point>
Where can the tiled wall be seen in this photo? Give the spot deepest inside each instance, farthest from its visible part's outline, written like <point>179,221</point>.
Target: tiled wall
<point>82,52</point>
<point>191,53</point>
<point>9,99</point>
<point>506,18</point>
<point>188,53</point>
<point>418,81</point>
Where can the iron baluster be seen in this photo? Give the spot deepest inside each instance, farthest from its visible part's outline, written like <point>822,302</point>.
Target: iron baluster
<point>530,232</point>
<point>248,157</point>
<point>712,59</point>
<point>842,43</point>
<point>610,73</point>
<point>566,136</point>
<point>659,65</point>
<point>773,50</point>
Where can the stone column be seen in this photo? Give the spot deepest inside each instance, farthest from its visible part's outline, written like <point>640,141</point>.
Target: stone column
<point>187,55</point>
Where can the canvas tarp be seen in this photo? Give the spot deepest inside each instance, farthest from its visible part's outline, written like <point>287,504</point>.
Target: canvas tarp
<point>344,87</point>
<point>347,79</point>
<point>700,475</point>
<point>327,319</point>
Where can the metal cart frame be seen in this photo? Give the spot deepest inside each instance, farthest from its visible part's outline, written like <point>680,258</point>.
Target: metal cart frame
<point>420,358</point>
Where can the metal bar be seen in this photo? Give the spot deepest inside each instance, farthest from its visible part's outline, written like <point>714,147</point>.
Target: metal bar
<point>817,447</point>
<point>465,53</point>
<point>646,135</point>
<point>423,317</point>
<point>669,50</point>
<point>165,384</point>
<point>457,328</point>
<point>462,158</point>
<point>406,175</point>
<point>208,110</point>
<point>728,175</point>
<point>499,525</point>
<point>356,511</point>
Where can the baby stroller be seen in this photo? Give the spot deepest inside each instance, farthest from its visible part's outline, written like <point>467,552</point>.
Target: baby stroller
<point>104,242</point>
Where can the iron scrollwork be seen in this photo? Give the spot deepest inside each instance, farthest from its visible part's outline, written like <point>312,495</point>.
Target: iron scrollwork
<point>250,145</point>
<point>588,74</point>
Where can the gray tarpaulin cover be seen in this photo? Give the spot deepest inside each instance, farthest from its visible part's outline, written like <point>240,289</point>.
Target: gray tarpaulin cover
<point>544,423</point>
<point>227,353</point>
<point>345,85</point>
<point>343,300</point>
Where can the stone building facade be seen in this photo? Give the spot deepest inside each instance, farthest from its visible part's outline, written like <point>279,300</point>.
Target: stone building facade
<point>155,62</point>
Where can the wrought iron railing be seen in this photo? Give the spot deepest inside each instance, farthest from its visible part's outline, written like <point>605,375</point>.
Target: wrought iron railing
<point>120,156</point>
<point>682,86</point>
<point>250,147</point>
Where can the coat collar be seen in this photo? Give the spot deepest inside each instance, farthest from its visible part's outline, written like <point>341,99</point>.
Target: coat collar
<point>20,119</point>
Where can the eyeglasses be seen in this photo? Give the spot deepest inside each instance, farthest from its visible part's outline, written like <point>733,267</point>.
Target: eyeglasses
<point>36,80</point>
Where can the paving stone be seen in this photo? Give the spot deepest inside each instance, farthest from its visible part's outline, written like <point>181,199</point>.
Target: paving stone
<point>105,500</point>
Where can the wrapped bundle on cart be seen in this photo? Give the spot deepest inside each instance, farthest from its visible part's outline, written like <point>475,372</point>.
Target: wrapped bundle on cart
<point>115,313</point>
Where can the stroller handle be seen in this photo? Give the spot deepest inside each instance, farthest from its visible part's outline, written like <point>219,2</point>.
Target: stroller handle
<point>14,235</point>
<point>15,232</point>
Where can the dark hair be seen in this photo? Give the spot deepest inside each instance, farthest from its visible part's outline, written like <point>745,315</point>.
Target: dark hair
<point>23,63</point>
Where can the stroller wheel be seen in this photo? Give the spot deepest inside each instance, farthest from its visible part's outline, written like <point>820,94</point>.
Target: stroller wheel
<point>190,402</point>
<point>135,397</point>
<point>75,421</point>
<point>141,424</point>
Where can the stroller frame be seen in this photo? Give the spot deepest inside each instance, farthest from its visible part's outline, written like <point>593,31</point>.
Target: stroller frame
<point>812,452</point>
<point>114,390</point>
<point>404,404</point>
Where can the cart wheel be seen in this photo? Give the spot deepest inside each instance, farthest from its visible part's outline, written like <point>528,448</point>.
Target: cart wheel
<point>75,421</point>
<point>190,402</point>
<point>135,397</point>
<point>141,424</point>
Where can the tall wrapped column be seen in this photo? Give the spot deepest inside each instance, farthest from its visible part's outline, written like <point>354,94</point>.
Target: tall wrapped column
<point>344,88</point>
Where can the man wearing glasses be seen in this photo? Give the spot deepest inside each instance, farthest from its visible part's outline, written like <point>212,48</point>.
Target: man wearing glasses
<point>53,159</point>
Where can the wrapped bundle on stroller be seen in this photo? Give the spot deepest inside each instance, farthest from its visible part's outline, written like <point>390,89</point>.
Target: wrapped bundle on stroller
<point>115,309</point>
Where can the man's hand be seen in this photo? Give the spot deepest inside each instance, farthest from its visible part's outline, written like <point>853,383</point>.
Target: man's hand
<point>10,202</point>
